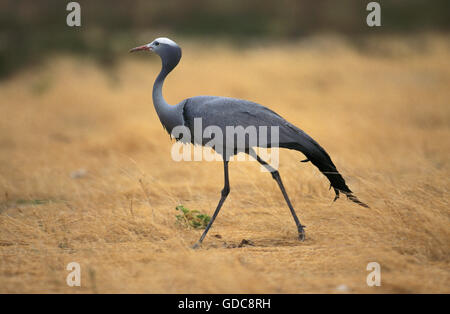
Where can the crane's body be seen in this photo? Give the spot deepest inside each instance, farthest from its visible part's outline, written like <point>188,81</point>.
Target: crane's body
<point>223,112</point>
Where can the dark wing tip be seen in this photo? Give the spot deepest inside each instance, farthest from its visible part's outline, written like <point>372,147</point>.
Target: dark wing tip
<point>350,196</point>
<point>354,199</point>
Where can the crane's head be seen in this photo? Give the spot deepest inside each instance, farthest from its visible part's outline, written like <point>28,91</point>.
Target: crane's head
<point>166,48</point>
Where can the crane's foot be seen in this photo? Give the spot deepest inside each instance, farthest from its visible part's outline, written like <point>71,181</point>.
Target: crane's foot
<point>196,245</point>
<point>301,233</point>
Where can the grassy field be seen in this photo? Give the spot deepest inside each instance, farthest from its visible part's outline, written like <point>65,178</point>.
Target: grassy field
<point>86,174</point>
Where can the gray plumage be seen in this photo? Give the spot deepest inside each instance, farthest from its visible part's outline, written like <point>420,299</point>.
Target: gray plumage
<point>225,111</point>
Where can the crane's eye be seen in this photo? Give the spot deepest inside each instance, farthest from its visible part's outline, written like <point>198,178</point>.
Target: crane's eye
<point>156,43</point>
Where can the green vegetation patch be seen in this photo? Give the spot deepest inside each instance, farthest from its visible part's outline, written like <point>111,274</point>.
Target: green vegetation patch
<point>191,218</point>
<point>31,202</point>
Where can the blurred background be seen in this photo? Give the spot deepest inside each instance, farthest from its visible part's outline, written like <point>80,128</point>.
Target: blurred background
<point>31,30</point>
<point>85,167</point>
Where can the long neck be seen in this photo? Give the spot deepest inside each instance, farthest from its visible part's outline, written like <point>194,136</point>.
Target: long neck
<point>170,116</point>
<point>158,100</point>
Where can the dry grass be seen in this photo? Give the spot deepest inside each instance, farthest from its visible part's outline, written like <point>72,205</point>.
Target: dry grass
<point>384,118</point>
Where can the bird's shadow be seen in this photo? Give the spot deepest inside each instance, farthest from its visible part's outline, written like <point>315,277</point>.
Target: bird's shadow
<point>259,243</point>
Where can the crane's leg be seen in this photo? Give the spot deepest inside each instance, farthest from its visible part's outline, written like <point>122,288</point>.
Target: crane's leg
<point>276,177</point>
<point>225,192</point>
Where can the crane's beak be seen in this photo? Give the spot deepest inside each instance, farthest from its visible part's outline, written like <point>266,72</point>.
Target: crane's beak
<point>144,47</point>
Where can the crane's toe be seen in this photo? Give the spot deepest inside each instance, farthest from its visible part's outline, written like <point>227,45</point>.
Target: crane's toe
<point>196,245</point>
<point>301,233</point>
